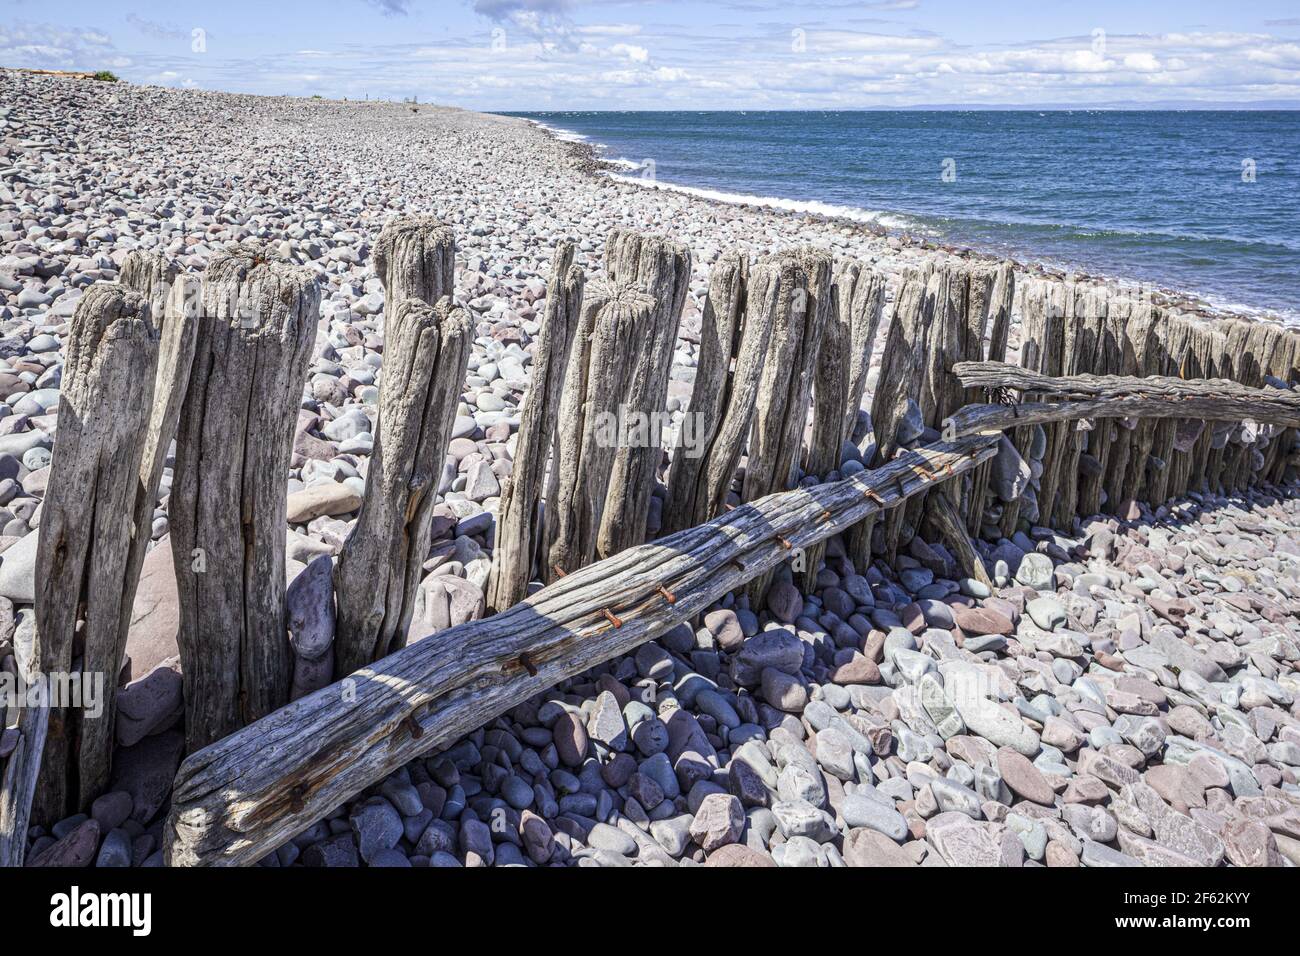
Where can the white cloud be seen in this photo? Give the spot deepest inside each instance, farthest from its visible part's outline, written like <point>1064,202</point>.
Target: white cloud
<point>637,54</point>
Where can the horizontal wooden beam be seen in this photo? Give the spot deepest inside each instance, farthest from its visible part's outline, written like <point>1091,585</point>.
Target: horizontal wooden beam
<point>1105,396</point>
<point>243,796</point>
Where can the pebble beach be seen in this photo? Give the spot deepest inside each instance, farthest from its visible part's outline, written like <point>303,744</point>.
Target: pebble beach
<point>1126,695</point>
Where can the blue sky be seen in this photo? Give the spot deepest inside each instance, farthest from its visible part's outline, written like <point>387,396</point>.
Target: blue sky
<point>679,54</point>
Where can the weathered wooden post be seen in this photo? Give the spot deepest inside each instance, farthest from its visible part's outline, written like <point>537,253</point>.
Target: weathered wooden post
<point>174,305</point>
<point>866,305</point>
<point>611,330</point>
<point>85,535</point>
<point>1059,299</point>
<point>517,526</point>
<point>842,363</point>
<point>994,349</point>
<point>227,505</point>
<point>415,258</point>
<point>762,291</point>
<point>23,767</point>
<point>1103,440</point>
<point>721,326</point>
<point>379,568</point>
<point>941,393</point>
<point>660,269</point>
<point>898,387</point>
<point>1134,444</point>
<point>1160,476</point>
<point>1097,343</point>
<point>1286,368</point>
<point>785,388</point>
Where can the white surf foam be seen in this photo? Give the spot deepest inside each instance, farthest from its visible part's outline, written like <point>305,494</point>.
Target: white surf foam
<point>805,206</point>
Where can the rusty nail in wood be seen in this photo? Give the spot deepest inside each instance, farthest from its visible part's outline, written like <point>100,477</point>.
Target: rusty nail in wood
<point>667,595</point>
<point>825,516</point>
<point>559,573</point>
<point>785,544</point>
<point>527,664</point>
<point>875,497</point>
<point>609,616</point>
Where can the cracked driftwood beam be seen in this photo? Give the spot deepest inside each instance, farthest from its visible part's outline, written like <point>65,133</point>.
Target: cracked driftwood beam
<point>1002,375</point>
<point>86,529</point>
<point>243,796</point>
<point>977,418</point>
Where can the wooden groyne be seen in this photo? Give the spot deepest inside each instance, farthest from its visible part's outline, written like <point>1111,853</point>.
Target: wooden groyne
<point>1112,398</point>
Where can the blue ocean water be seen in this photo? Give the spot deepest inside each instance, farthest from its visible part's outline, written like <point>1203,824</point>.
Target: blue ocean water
<point>1201,201</point>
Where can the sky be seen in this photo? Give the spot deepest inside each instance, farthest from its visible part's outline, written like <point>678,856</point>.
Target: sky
<point>535,55</point>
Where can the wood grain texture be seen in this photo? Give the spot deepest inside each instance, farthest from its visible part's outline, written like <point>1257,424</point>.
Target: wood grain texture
<point>899,383</point>
<point>87,523</point>
<point>805,304</point>
<point>380,565</point>
<point>227,505</point>
<point>22,768</point>
<point>518,523</point>
<point>994,349</point>
<point>596,384</point>
<point>660,269</point>
<point>762,300</point>
<point>415,258</point>
<point>174,302</point>
<point>721,326</point>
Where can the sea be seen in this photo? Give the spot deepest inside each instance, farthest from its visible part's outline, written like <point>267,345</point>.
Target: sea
<point>1206,202</point>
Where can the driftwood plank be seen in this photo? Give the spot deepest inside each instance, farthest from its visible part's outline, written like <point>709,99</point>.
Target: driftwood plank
<point>518,524</point>
<point>379,568</point>
<point>87,522</point>
<point>227,506</point>
<point>245,795</point>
